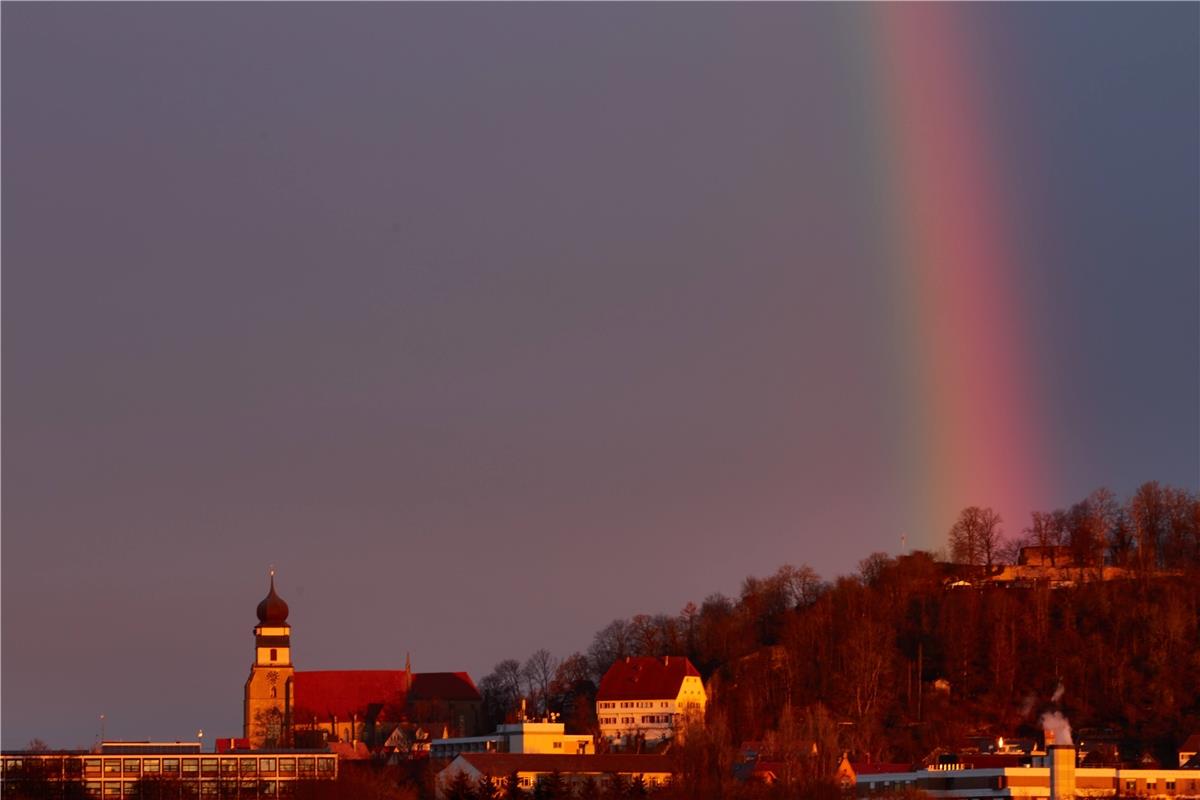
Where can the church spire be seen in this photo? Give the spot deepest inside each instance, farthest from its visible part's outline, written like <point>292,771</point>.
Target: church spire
<point>272,610</point>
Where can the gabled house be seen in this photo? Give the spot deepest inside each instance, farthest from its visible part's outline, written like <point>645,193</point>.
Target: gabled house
<point>645,702</point>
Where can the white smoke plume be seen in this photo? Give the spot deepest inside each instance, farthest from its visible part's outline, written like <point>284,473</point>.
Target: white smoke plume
<point>1058,693</point>
<point>1058,730</point>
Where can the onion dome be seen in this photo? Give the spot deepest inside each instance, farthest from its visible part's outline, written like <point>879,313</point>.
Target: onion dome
<point>272,610</point>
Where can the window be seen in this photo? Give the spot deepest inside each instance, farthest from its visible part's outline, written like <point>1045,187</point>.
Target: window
<point>325,767</point>
<point>229,766</point>
<point>1170,786</point>
<point>1152,784</point>
<point>208,767</point>
<point>112,766</point>
<point>249,766</point>
<point>287,767</point>
<point>274,655</point>
<point>133,766</point>
<point>558,745</point>
<point>191,767</point>
<point>1131,786</point>
<point>150,765</point>
<point>91,766</point>
<point>305,766</point>
<point>267,766</point>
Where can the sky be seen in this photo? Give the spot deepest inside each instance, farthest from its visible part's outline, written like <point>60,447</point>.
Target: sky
<point>488,324</point>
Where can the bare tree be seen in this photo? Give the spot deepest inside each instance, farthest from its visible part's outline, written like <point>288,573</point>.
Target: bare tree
<point>1148,511</point>
<point>538,673</point>
<point>645,635</point>
<point>609,646</point>
<point>803,584</point>
<point>976,537</point>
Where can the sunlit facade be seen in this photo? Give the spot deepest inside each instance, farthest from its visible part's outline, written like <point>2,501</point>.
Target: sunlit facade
<point>122,770</point>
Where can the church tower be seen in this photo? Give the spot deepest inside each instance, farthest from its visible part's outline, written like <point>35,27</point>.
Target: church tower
<point>267,719</point>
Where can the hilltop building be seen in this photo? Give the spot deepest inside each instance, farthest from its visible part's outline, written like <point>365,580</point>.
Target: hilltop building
<point>283,705</point>
<point>647,701</point>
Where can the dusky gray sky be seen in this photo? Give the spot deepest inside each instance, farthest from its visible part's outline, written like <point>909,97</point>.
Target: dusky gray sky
<point>487,324</point>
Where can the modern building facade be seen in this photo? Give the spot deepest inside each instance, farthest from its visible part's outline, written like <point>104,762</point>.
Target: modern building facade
<point>1052,776</point>
<point>122,770</point>
<point>526,736</point>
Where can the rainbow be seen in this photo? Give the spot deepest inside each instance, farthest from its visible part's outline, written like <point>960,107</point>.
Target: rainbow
<point>969,396</point>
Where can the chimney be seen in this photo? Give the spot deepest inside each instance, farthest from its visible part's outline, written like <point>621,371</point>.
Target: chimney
<point>1062,771</point>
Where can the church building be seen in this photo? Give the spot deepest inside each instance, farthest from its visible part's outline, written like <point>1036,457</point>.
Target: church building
<point>287,707</point>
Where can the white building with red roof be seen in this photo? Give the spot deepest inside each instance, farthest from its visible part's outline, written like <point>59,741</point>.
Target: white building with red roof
<point>645,700</point>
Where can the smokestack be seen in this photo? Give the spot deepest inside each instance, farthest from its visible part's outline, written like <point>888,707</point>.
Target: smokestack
<point>1062,771</point>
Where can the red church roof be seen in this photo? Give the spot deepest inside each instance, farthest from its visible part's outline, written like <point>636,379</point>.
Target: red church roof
<point>645,678</point>
<point>443,686</point>
<point>346,692</point>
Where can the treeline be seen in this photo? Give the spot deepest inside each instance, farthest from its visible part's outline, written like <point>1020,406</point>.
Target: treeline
<point>894,662</point>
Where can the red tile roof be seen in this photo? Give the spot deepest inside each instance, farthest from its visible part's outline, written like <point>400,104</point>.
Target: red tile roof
<point>878,768</point>
<point>443,686</point>
<point>501,764</point>
<point>344,693</point>
<point>645,678</point>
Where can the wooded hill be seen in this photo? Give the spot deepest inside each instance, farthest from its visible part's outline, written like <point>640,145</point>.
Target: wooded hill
<point>917,652</point>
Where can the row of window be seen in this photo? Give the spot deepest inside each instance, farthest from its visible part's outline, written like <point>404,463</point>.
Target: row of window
<point>206,789</point>
<point>646,719</point>
<point>284,767</point>
<point>632,704</point>
<point>1152,786</point>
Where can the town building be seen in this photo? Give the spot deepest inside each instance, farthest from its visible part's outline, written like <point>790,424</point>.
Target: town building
<point>116,769</point>
<point>645,701</point>
<point>653,771</point>
<point>1053,775</point>
<point>546,736</point>
<point>313,708</point>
